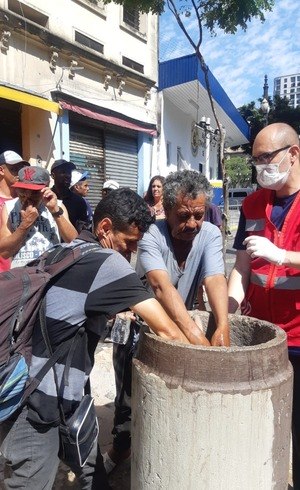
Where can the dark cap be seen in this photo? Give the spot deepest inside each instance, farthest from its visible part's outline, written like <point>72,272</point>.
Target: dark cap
<point>32,178</point>
<point>10,157</point>
<point>58,163</point>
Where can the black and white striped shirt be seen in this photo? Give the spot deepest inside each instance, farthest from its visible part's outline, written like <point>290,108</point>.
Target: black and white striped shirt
<point>101,284</point>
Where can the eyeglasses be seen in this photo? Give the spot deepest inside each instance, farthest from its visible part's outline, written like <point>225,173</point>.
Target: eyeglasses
<point>267,157</point>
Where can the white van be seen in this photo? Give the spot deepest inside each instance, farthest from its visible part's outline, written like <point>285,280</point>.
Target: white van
<point>236,196</point>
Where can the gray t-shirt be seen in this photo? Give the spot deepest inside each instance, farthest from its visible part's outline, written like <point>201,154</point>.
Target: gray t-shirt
<point>155,252</point>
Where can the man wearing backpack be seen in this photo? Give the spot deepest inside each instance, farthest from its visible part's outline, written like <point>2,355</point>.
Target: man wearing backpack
<point>95,288</point>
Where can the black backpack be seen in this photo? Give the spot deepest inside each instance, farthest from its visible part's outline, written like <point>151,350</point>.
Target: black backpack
<point>22,291</point>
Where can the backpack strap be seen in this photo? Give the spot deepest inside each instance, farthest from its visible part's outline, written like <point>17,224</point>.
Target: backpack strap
<point>34,382</point>
<point>59,258</point>
<point>71,345</point>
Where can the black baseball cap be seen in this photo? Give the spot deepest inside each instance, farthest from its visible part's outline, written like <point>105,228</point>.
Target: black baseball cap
<point>59,163</point>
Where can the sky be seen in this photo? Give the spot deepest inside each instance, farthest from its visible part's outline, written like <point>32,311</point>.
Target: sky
<point>240,61</point>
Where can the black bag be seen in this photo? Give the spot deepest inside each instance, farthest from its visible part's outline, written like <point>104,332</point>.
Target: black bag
<point>22,290</point>
<point>78,433</point>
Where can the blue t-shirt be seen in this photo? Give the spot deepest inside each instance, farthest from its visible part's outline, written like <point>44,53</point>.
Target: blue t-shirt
<point>155,252</point>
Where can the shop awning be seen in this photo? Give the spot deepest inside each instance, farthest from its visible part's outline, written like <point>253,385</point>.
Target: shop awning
<point>117,121</point>
<point>183,83</point>
<point>29,99</point>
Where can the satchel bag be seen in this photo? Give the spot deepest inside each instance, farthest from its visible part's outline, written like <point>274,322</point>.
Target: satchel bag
<point>78,433</point>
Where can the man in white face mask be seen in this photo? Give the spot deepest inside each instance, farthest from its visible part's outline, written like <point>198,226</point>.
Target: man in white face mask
<point>269,175</point>
<point>265,280</point>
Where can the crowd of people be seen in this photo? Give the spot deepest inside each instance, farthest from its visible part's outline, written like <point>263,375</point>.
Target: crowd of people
<point>176,232</point>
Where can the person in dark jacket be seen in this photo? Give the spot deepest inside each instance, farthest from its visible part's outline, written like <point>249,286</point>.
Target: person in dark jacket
<point>61,171</point>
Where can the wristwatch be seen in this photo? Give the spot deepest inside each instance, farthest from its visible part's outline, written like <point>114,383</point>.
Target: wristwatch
<point>58,213</point>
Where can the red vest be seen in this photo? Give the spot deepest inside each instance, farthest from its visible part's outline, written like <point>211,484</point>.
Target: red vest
<point>274,291</point>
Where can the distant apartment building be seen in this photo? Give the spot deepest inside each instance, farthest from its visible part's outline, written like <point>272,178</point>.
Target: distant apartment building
<point>288,86</point>
<point>78,80</point>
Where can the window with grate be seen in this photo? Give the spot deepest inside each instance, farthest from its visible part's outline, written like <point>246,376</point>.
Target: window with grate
<point>131,17</point>
<point>132,64</point>
<point>88,42</point>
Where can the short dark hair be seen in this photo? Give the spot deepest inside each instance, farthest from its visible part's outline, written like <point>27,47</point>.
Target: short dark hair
<point>124,207</point>
<point>190,183</point>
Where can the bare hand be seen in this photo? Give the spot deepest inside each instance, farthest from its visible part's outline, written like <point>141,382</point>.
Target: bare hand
<point>196,335</point>
<point>29,216</point>
<point>221,337</point>
<point>49,199</point>
<point>198,338</point>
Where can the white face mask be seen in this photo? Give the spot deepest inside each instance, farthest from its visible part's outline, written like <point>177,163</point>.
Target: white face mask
<point>269,177</point>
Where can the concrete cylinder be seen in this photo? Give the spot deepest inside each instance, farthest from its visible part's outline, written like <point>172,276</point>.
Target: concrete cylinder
<point>213,418</point>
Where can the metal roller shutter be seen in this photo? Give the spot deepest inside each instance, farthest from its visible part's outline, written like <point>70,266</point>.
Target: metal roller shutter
<point>86,151</point>
<point>121,162</point>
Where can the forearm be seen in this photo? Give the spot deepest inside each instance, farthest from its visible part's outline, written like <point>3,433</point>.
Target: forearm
<point>217,295</point>
<point>237,287</point>
<point>292,259</point>
<point>159,322</point>
<point>171,301</point>
<point>10,245</point>
<point>239,280</point>
<point>66,230</point>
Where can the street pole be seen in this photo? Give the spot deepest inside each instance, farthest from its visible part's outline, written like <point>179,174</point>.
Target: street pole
<point>265,106</point>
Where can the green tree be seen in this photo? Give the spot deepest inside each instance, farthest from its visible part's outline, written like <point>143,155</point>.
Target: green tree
<point>239,171</point>
<point>228,15</point>
<point>280,111</point>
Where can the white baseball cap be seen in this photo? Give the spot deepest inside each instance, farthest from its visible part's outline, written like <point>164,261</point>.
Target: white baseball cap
<point>10,157</point>
<point>111,184</point>
<point>77,177</point>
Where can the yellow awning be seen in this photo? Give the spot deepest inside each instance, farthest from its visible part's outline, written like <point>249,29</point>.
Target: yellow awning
<point>28,99</point>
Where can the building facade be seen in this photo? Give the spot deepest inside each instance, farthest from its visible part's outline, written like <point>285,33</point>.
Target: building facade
<point>187,128</point>
<point>78,81</point>
<point>288,86</point>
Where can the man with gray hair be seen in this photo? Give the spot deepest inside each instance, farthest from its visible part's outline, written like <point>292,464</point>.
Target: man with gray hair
<point>177,256</point>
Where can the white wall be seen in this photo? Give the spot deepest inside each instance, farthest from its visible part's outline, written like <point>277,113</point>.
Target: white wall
<point>25,65</point>
<point>176,128</point>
